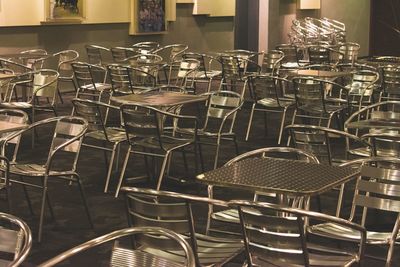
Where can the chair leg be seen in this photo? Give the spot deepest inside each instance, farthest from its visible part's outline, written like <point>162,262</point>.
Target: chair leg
<point>250,121</point>
<point>78,179</point>
<point>8,194</point>
<point>201,157</point>
<point>41,218</point>
<point>28,200</point>
<point>217,153</point>
<point>121,177</point>
<point>293,120</point>
<point>282,125</point>
<point>49,206</point>
<point>236,145</point>
<point>162,170</point>
<point>110,167</point>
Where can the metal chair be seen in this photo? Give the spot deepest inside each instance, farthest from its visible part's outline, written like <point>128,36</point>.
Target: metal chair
<point>67,139</point>
<point>42,95</point>
<point>348,52</point>
<point>271,62</point>
<point>391,82</point>
<point>36,61</point>
<point>120,54</point>
<point>319,100</point>
<point>385,143</point>
<point>173,52</point>
<point>275,235</point>
<point>329,145</point>
<point>150,63</point>
<point>147,237</point>
<point>376,190</point>
<point>95,54</point>
<point>64,68</point>
<point>268,95</point>
<point>183,72</point>
<point>129,80</point>
<point>86,76</point>
<point>291,56</point>
<point>98,130</point>
<point>206,72</point>
<point>144,127</point>
<point>220,119</point>
<point>175,211</point>
<point>22,79</point>
<point>231,215</point>
<point>15,239</point>
<point>145,47</point>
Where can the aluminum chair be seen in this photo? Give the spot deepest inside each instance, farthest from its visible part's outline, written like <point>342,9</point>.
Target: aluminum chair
<point>36,61</point>
<point>175,211</point>
<point>391,82</point>
<point>183,72</point>
<point>19,69</point>
<point>145,128</point>
<point>5,84</point>
<point>88,81</point>
<point>42,95</point>
<point>385,143</point>
<point>147,237</point>
<point>348,52</point>
<point>231,216</point>
<point>375,192</point>
<point>173,52</point>
<point>206,72</point>
<point>268,95</point>
<point>145,47</point>
<point>95,54</point>
<point>64,68</point>
<point>220,120</point>
<point>67,139</point>
<point>319,100</point>
<point>95,112</point>
<point>15,239</point>
<point>129,80</point>
<point>292,56</point>
<point>271,62</point>
<point>150,63</point>
<point>275,235</point>
<point>13,116</point>
<point>120,54</point>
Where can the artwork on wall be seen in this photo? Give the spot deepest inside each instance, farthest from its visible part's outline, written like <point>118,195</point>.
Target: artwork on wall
<point>65,9</point>
<point>148,17</point>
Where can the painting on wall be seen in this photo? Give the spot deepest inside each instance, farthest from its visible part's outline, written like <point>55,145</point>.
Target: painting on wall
<point>148,17</point>
<point>66,9</point>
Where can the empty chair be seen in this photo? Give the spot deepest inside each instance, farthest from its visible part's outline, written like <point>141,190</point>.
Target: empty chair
<point>42,95</point>
<point>391,82</point>
<point>145,47</point>
<point>120,54</point>
<point>230,215</point>
<point>348,52</point>
<point>15,240</point>
<point>150,63</point>
<point>268,95</point>
<point>95,54</point>
<point>183,72</point>
<point>233,73</point>
<point>176,211</point>
<point>99,130</point>
<point>219,123</point>
<point>275,235</point>
<point>319,54</point>
<point>144,127</point>
<point>130,80</point>
<point>86,76</point>
<point>171,53</point>
<point>36,60</point>
<point>64,68</point>
<point>291,56</point>
<point>67,139</point>
<point>271,62</point>
<point>385,143</point>
<point>145,238</point>
<point>375,193</point>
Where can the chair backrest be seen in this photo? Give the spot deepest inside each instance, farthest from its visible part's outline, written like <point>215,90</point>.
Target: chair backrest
<point>35,62</point>
<point>308,91</point>
<point>147,62</point>
<point>17,67</point>
<point>319,54</point>
<point>362,83</point>
<point>275,234</point>
<point>271,61</point>
<point>391,82</point>
<point>45,83</point>
<point>65,58</point>
<point>86,73</point>
<point>5,84</point>
<point>223,106</point>
<point>94,53</point>
<point>173,52</point>
<point>385,143</point>
<point>182,73</point>
<point>377,188</point>
<point>15,238</point>
<point>348,52</point>
<point>290,52</point>
<point>128,80</point>
<point>327,144</point>
<point>126,257</point>
<point>13,116</point>
<point>145,47</point>
<point>268,87</point>
<point>120,54</point>
<point>67,137</point>
<point>231,66</point>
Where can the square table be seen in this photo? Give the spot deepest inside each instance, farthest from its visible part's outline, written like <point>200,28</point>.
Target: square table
<point>159,99</point>
<point>280,176</point>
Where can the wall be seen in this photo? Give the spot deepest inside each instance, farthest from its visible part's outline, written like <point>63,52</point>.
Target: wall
<point>201,33</point>
<point>354,13</point>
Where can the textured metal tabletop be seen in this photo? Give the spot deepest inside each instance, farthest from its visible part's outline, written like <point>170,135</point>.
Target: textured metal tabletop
<point>279,176</point>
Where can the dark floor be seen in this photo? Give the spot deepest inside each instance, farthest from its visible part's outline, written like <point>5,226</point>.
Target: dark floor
<point>71,227</point>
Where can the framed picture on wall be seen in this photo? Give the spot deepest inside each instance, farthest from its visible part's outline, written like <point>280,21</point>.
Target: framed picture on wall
<point>148,17</point>
<point>65,10</point>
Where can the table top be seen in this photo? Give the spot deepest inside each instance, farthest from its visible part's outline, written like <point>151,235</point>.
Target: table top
<point>159,99</point>
<point>279,176</point>
<point>6,127</point>
<point>319,73</point>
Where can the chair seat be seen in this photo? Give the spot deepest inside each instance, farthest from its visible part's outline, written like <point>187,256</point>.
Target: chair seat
<point>272,102</point>
<point>34,170</point>
<point>344,233</point>
<point>228,215</point>
<point>16,105</point>
<point>168,143</point>
<point>114,134</point>
<point>201,132</point>
<point>97,86</point>
<point>320,109</point>
<point>208,74</point>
